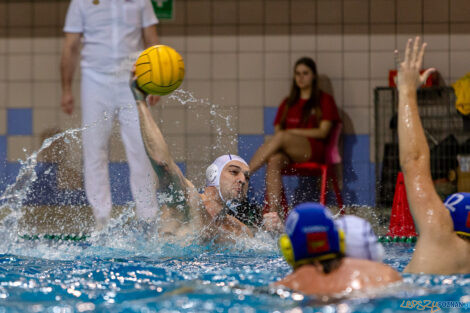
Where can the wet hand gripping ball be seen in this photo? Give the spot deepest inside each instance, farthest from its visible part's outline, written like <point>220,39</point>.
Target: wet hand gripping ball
<point>159,70</point>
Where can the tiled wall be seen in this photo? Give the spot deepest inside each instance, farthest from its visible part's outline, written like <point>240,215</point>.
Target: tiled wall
<point>239,56</point>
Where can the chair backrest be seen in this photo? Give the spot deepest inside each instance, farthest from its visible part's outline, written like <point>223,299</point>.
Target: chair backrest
<point>331,151</point>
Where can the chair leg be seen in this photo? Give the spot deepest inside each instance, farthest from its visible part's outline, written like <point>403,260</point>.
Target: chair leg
<point>339,199</point>
<point>324,175</point>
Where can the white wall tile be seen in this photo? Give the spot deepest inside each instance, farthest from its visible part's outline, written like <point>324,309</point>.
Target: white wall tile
<point>336,91</point>
<point>224,66</point>
<point>356,38</point>
<point>225,92</point>
<point>3,122</point>
<point>251,38</point>
<point>251,121</point>
<point>276,12</point>
<point>275,91</point>
<point>406,31</point>
<point>70,121</point>
<point>436,11</point>
<point>276,65</point>
<point>409,11</point>
<point>224,12</point>
<point>20,45</point>
<point>356,11</point>
<point>198,12</point>
<point>221,147</point>
<point>19,67</point>
<point>195,172</point>
<point>356,93</point>
<point>224,39</point>
<point>302,38</point>
<point>3,45</point>
<point>199,39</point>
<point>198,120</point>
<point>329,11</point>
<point>276,38</point>
<point>177,146</point>
<point>250,65</point>
<point>18,147</point>
<point>198,148</point>
<point>356,65</point>
<point>460,37</point>
<point>357,121</point>
<point>45,45</point>
<point>382,37</point>
<point>251,93</point>
<point>459,63</point>
<point>251,12</point>
<point>3,94</point>
<point>381,63</point>
<point>46,95</point>
<point>46,67</point>
<point>382,11</point>
<point>439,60</point>
<point>19,95</point>
<point>172,121</point>
<point>176,42</point>
<point>436,36</point>
<point>329,38</point>
<point>225,123</point>
<point>198,66</point>
<point>200,89</point>
<point>302,12</point>
<point>44,119</point>
<point>330,64</point>
<point>459,11</point>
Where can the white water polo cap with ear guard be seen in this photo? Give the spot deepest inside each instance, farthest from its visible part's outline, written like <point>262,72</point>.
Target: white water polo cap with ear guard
<point>215,169</point>
<point>361,241</point>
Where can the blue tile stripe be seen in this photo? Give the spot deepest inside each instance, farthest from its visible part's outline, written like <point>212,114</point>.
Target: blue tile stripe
<point>269,116</point>
<point>45,191</point>
<point>20,121</point>
<point>3,148</point>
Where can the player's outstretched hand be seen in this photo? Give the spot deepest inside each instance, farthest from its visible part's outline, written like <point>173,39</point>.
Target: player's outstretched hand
<point>408,70</point>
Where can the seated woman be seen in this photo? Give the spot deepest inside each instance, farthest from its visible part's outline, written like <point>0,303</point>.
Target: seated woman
<point>302,126</point>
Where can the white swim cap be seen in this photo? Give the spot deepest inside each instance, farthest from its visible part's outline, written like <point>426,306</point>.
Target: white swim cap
<point>215,169</point>
<point>361,241</point>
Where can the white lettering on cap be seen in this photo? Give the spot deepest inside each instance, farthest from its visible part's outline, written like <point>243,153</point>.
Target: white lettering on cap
<point>453,201</point>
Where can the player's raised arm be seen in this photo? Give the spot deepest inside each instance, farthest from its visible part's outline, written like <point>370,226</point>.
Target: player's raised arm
<point>426,207</point>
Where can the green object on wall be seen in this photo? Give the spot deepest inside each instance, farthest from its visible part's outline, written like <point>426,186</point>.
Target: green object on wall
<point>163,9</point>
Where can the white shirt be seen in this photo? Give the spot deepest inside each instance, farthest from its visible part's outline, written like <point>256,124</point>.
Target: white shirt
<point>112,31</point>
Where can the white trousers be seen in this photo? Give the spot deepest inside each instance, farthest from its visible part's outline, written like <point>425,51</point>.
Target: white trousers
<point>104,98</point>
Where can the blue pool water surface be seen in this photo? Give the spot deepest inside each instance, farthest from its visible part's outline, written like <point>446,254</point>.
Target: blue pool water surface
<point>123,273</point>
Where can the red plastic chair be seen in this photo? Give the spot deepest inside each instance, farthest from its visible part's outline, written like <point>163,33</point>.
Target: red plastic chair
<point>326,170</point>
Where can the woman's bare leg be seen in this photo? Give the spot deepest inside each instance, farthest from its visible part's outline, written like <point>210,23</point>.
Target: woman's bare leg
<point>296,147</point>
<point>275,165</point>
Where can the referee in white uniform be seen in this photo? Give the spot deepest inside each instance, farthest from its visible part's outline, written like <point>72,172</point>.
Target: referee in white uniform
<point>112,33</point>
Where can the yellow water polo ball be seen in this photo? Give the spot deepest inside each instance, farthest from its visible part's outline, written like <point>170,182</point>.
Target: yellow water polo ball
<point>159,70</point>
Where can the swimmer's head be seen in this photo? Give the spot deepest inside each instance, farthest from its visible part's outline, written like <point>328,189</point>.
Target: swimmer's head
<point>311,235</point>
<point>361,241</point>
<point>229,174</point>
<point>458,205</point>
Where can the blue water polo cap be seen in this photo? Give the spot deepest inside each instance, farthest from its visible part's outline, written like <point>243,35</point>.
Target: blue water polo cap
<point>459,206</point>
<point>311,235</point>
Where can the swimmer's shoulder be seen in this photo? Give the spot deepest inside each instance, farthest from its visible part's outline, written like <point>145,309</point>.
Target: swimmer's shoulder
<point>376,272</point>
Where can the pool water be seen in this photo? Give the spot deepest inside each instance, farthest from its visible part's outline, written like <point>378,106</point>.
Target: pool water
<point>120,272</point>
